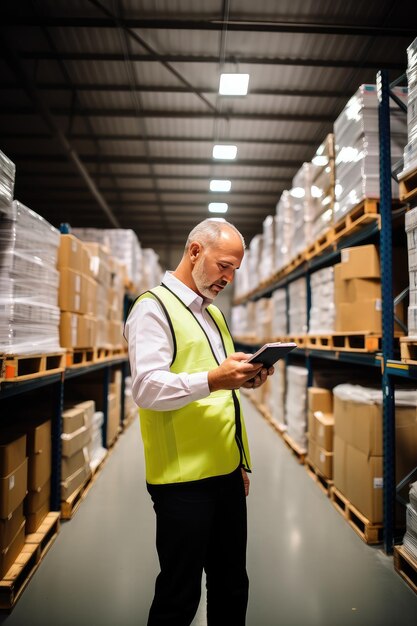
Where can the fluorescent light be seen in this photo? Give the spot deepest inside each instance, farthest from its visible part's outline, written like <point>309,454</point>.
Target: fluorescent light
<point>224,151</point>
<point>220,185</point>
<point>218,207</point>
<point>234,84</point>
<point>320,160</point>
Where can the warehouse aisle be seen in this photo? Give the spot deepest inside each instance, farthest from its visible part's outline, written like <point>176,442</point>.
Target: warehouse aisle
<point>306,565</point>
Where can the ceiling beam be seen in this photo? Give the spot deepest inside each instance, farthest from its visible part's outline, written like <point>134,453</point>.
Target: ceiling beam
<point>14,134</point>
<point>30,174</point>
<point>199,58</point>
<point>214,24</point>
<point>147,206</point>
<point>150,190</point>
<point>171,114</point>
<point>125,88</point>
<point>157,160</point>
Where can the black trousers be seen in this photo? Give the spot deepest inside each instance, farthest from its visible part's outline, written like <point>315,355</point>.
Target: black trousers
<point>201,525</point>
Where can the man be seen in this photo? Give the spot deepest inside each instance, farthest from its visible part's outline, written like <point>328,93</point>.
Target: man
<point>185,374</point>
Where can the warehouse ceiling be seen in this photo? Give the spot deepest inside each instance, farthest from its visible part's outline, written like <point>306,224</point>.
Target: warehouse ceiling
<point>110,109</point>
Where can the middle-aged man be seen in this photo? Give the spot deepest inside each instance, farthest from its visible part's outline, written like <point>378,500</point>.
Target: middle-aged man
<point>185,377</point>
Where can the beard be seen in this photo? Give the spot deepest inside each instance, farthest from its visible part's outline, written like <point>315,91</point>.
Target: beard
<point>202,281</point>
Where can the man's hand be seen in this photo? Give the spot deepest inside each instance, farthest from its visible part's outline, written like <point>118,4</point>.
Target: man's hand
<point>246,481</point>
<point>234,372</point>
<point>259,379</point>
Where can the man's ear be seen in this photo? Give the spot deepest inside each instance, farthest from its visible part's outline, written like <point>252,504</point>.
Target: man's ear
<point>194,251</point>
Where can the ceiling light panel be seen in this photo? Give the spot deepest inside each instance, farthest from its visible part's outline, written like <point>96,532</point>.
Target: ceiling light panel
<point>224,151</point>
<point>220,185</point>
<point>234,84</point>
<point>218,207</point>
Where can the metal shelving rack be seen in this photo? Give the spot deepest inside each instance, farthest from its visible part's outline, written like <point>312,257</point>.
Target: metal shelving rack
<point>55,386</point>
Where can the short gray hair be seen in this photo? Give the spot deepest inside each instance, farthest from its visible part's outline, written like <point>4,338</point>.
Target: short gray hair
<point>208,232</point>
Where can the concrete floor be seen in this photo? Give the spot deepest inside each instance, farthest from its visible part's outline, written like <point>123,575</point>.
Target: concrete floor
<point>306,565</point>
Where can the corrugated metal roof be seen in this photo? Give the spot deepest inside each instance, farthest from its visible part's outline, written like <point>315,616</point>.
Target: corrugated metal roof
<point>144,126</point>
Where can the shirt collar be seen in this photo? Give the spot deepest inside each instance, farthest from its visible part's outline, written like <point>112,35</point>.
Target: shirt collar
<point>186,295</point>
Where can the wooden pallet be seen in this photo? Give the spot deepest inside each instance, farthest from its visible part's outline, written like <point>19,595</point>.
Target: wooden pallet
<point>406,566</point>
<point>408,186</point>
<point>369,532</point>
<point>363,213</point>
<point>19,367</point>
<point>346,342</point>
<point>35,548</point>
<point>322,481</point>
<point>70,506</point>
<point>300,340</point>
<point>408,347</point>
<point>320,244</point>
<point>298,451</point>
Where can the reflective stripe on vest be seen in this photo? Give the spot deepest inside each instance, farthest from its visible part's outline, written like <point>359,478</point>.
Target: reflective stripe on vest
<point>207,437</point>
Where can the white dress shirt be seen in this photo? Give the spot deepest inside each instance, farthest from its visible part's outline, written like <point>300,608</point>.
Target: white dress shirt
<point>151,350</point>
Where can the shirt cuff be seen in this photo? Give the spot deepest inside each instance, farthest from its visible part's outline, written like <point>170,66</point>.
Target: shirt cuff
<point>199,386</point>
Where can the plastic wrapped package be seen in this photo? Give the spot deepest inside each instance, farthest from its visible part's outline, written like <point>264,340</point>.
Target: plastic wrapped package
<point>7,177</point>
<point>239,323</point>
<point>284,231</point>
<point>277,395</point>
<point>267,263</point>
<point>254,261</point>
<point>279,313</point>
<point>151,269</point>
<point>96,451</point>
<point>323,310</point>
<point>297,313</point>
<point>413,495</point>
<point>357,148</point>
<point>302,208</point>
<point>410,150</point>
<point>323,187</point>
<point>296,405</point>
<point>29,281</point>
<point>263,308</point>
<point>411,230</point>
<point>241,281</point>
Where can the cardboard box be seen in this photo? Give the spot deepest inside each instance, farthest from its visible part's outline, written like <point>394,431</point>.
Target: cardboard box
<point>359,425</point>
<point>113,418</point>
<point>99,263</point>
<point>39,469</point>
<point>13,489</point>
<point>362,289</point>
<point>88,296</point>
<point>70,288</point>
<point>339,285</point>
<point>74,482</point>
<point>38,437</point>
<point>36,499</point>
<point>405,441</point>
<point>70,253</point>
<point>12,452</point>
<point>360,262</point>
<point>71,443</point>
<point>321,429</point>
<point>322,459</point>
<point>10,526</point>
<point>115,330</point>
<point>363,316</point>
<point>9,554</point>
<point>34,520</point>
<point>71,464</point>
<point>320,399</point>
<point>77,331</point>
<point>364,483</point>
<point>339,463</point>
<point>77,416</point>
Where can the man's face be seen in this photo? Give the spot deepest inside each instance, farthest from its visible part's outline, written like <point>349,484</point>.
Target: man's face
<point>215,265</point>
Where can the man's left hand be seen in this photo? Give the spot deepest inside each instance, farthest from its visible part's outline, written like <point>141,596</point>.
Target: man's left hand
<point>259,379</point>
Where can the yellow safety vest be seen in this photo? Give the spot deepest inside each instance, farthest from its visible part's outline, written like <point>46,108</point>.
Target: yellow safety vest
<point>207,437</point>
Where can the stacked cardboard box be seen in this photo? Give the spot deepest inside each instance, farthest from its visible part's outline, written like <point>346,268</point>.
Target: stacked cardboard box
<point>75,438</point>
<point>77,295</point>
<point>322,311</point>
<point>358,452</point>
<point>29,315</point>
<point>39,473</point>
<point>320,430</point>
<point>100,271</point>
<point>13,489</point>
<point>297,313</point>
<point>284,231</point>
<point>357,291</point>
<point>357,148</point>
<point>323,187</point>
<point>296,405</point>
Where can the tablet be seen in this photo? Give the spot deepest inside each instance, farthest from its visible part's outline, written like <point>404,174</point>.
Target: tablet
<point>270,353</point>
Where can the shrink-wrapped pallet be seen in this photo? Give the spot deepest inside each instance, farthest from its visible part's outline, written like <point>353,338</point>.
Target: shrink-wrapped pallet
<point>322,311</point>
<point>357,148</point>
<point>276,398</point>
<point>284,231</point>
<point>267,261</point>
<point>323,187</point>
<point>241,280</point>
<point>151,269</point>
<point>411,230</point>
<point>254,260</point>
<point>297,313</point>
<point>410,150</point>
<point>302,209</point>
<point>279,313</point>
<point>29,280</point>
<point>296,405</point>
<point>7,176</point>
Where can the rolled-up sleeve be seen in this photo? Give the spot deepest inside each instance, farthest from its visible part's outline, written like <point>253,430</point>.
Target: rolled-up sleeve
<point>151,350</point>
